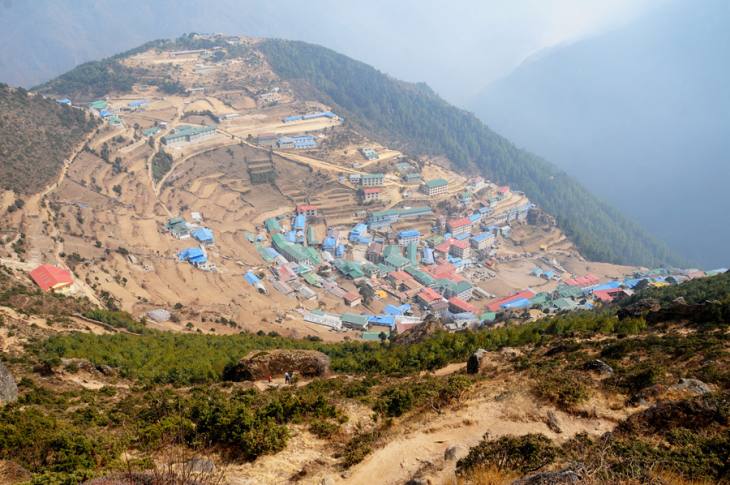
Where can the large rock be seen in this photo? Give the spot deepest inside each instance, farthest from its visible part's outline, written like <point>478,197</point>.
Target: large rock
<point>474,363</point>
<point>8,388</point>
<point>561,477</point>
<point>695,386</point>
<point>260,364</point>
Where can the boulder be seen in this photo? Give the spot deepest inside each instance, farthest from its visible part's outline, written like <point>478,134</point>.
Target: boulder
<point>474,363</point>
<point>694,386</point>
<point>597,365</point>
<point>552,422</point>
<point>560,477</point>
<point>260,364</point>
<point>451,453</point>
<point>8,388</point>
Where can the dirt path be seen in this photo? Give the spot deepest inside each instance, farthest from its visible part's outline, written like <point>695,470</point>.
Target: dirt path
<point>501,410</point>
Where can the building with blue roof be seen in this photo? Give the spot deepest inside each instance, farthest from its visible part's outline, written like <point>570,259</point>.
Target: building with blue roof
<point>427,257</point>
<point>482,240</point>
<point>195,256</point>
<point>516,304</point>
<point>397,310</point>
<point>64,101</point>
<point>254,281</point>
<point>408,236</point>
<point>385,320</point>
<point>203,235</point>
<point>298,142</point>
<point>299,222</point>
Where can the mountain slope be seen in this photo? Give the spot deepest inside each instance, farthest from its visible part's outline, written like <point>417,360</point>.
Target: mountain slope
<point>640,116</point>
<point>412,117</point>
<point>36,135</point>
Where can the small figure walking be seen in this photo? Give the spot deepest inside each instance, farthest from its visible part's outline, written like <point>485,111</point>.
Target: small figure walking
<point>269,378</point>
<point>287,378</point>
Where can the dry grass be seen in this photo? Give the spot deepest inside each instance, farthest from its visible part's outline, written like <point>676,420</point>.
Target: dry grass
<point>484,476</point>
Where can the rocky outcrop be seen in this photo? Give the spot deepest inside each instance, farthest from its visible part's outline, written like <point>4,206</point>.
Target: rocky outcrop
<point>261,364</point>
<point>474,363</point>
<point>678,310</point>
<point>8,388</point>
<point>597,365</point>
<point>560,477</point>
<point>696,413</point>
<point>694,386</point>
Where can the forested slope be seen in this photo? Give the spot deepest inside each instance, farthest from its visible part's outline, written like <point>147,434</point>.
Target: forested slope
<point>414,118</point>
<point>36,135</point>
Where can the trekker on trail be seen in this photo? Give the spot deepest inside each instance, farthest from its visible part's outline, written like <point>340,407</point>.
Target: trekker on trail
<point>287,378</point>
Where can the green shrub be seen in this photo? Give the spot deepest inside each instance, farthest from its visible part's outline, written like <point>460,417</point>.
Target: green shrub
<point>523,454</point>
<point>323,429</point>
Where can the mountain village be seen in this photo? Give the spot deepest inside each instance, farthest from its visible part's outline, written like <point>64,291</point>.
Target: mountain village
<point>237,196</point>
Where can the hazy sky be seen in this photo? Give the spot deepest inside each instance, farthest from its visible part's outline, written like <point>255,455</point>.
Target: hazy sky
<point>458,47</point>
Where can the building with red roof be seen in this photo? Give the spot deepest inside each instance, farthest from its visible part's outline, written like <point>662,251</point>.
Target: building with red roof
<point>607,296</point>
<point>428,296</point>
<point>307,210</point>
<point>352,299</point>
<point>371,193</point>
<point>496,305</point>
<point>459,249</point>
<point>583,281</point>
<point>459,226</point>
<point>457,305</point>
<point>51,278</point>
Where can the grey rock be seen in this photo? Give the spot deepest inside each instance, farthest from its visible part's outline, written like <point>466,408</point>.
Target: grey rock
<point>8,388</point>
<point>561,477</point>
<point>201,465</point>
<point>599,366</point>
<point>552,422</point>
<point>473,365</point>
<point>451,453</point>
<point>695,386</point>
<point>327,481</point>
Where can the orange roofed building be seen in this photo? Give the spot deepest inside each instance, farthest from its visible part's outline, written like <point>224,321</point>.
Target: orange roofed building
<point>51,278</point>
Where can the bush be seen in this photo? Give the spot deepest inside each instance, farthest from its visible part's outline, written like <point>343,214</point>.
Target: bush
<point>524,454</point>
<point>394,401</point>
<point>565,389</point>
<point>323,429</point>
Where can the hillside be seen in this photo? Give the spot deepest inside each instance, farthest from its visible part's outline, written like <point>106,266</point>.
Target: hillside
<point>415,119</point>
<point>37,135</point>
<point>639,116</point>
<point>626,394</point>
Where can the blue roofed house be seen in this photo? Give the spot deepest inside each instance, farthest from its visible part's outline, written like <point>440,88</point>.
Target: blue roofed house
<point>195,256</point>
<point>203,235</point>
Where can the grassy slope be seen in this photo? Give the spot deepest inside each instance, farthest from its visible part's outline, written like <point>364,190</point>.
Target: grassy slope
<point>416,119</point>
<point>36,135</point>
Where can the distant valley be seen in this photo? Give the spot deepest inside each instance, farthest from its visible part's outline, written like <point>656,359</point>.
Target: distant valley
<point>638,115</point>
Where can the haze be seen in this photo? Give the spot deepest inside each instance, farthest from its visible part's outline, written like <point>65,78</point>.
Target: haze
<point>483,56</point>
<point>456,47</point>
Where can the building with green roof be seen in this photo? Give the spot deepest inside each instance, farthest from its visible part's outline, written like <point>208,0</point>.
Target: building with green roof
<point>293,252</point>
<point>272,225</point>
<point>412,252</point>
<point>435,186</point>
<point>353,320</point>
<point>421,276</point>
<point>372,179</point>
<point>186,133</point>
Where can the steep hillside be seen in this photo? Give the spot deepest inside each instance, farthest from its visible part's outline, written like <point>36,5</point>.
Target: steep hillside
<point>639,116</point>
<point>619,395</point>
<point>416,119</point>
<point>36,135</point>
